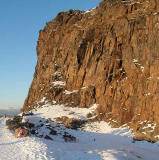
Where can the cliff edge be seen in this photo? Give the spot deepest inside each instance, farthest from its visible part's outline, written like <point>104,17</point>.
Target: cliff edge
<point>109,56</point>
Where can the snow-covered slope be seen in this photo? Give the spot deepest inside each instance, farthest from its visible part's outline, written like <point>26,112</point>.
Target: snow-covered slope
<point>95,141</point>
<point>9,111</point>
<point>12,148</point>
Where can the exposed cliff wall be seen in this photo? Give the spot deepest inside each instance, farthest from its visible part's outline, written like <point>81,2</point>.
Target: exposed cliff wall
<point>108,56</point>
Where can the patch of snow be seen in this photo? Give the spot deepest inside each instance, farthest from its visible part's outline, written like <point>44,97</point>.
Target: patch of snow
<point>78,26</point>
<point>149,125</point>
<point>142,68</point>
<point>149,78</point>
<point>110,87</point>
<point>54,102</point>
<point>135,61</point>
<point>147,94</point>
<point>114,121</point>
<point>53,111</point>
<point>145,127</point>
<point>155,13</point>
<point>88,11</point>
<point>140,122</point>
<point>58,83</point>
<point>43,99</point>
<point>70,92</point>
<point>57,73</point>
<point>152,126</point>
<point>157,136</point>
<point>94,107</point>
<point>151,130</point>
<point>84,87</point>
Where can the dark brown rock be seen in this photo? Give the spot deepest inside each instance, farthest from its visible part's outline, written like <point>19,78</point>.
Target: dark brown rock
<point>62,119</point>
<point>53,132</point>
<point>69,138</point>
<point>48,137</point>
<point>146,137</point>
<point>14,123</point>
<point>73,123</point>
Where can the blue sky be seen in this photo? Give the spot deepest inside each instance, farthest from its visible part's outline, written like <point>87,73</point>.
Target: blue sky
<point>20,22</point>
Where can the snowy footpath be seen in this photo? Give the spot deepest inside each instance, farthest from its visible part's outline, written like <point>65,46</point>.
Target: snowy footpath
<point>12,148</point>
<point>95,141</point>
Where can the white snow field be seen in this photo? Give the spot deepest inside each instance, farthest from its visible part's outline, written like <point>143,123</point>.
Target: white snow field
<point>95,141</point>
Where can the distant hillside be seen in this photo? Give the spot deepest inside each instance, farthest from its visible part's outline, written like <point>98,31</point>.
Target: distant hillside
<point>9,111</point>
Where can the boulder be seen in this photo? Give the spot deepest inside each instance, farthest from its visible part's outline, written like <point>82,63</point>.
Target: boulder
<point>53,132</point>
<point>69,138</point>
<point>73,123</point>
<point>48,137</point>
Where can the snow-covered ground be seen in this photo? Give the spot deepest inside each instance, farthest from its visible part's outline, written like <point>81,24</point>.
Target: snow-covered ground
<point>95,141</point>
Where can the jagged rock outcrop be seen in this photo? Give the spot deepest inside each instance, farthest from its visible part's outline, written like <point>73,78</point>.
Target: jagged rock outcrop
<point>108,55</point>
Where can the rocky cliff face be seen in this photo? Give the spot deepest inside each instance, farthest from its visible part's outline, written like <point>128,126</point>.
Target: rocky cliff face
<point>109,56</point>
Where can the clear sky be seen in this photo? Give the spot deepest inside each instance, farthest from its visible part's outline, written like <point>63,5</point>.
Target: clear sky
<point>20,22</point>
